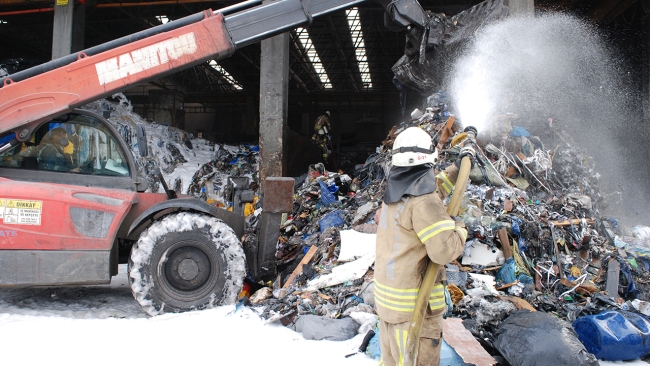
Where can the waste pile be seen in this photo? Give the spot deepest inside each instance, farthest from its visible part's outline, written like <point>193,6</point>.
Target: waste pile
<point>166,144</point>
<point>211,183</point>
<point>538,240</point>
<point>170,147</point>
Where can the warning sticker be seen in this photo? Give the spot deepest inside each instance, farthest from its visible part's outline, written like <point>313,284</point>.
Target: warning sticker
<point>23,212</point>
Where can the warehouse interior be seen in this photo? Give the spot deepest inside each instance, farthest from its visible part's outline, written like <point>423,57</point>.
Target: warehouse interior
<point>340,63</point>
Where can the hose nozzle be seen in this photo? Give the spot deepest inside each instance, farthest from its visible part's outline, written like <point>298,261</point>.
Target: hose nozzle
<point>472,132</point>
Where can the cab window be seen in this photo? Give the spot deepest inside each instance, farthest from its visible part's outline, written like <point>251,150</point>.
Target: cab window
<point>75,143</point>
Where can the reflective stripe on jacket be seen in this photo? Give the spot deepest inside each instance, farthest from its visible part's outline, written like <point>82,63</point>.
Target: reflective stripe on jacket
<point>446,180</point>
<point>403,300</point>
<point>411,232</point>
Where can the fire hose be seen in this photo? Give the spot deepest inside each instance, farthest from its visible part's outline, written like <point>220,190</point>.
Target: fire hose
<point>429,279</point>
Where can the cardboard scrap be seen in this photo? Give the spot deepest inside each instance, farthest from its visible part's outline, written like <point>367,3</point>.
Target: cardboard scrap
<point>464,343</point>
<point>518,302</point>
<point>298,269</point>
<point>572,222</point>
<point>583,289</point>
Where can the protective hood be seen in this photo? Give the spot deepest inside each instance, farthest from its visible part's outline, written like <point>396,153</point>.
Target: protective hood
<point>413,181</point>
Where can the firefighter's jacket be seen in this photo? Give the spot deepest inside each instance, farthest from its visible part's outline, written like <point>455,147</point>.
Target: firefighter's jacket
<point>446,180</point>
<point>321,121</point>
<point>411,232</point>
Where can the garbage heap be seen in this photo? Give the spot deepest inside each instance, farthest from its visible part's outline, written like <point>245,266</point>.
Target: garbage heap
<point>170,148</point>
<point>537,239</point>
<point>167,145</point>
<point>211,183</point>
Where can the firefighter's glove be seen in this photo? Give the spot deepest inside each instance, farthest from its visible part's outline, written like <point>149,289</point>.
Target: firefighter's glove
<point>465,151</point>
<point>459,222</point>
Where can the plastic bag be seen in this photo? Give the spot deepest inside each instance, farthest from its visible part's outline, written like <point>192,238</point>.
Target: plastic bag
<point>519,131</point>
<point>506,273</point>
<point>323,328</point>
<point>641,232</point>
<point>541,339</point>
<point>332,219</point>
<point>327,198</point>
<point>374,346</point>
<point>614,336</point>
<point>516,225</point>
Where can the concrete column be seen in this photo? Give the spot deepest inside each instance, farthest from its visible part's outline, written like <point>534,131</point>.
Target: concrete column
<point>62,30</point>
<point>520,7</point>
<point>274,98</point>
<point>78,27</point>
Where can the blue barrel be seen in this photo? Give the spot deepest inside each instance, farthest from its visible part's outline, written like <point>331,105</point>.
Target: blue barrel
<point>614,336</point>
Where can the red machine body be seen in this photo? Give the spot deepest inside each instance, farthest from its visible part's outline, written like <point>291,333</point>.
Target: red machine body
<point>29,102</point>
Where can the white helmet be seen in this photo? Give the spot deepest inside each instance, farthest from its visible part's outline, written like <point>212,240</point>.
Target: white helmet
<point>413,147</point>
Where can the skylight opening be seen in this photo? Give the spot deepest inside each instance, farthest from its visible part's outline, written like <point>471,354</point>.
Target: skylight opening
<point>162,19</point>
<point>310,50</point>
<point>225,75</point>
<point>354,21</point>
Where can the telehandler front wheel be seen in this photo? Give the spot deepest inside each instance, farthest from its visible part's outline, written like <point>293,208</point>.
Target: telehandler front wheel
<point>186,261</point>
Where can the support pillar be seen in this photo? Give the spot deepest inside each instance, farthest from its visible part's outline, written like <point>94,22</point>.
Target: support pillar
<point>520,7</point>
<point>274,98</point>
<point>79,26</point>
<point>62,30</point>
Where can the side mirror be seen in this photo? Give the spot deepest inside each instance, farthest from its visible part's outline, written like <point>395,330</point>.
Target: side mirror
<point>142,141</point>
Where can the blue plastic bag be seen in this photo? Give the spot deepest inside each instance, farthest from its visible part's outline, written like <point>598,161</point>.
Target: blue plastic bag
<point>614,336</point>
<point>327,198</point>
<point>374,346</point>
<point>332,219</point>
<point>516,224</point>
<point>509,273</point>
<point>519,131</point>
<point>506,273</point>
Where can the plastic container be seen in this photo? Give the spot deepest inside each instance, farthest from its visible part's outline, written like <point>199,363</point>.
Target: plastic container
<point>614,336</point>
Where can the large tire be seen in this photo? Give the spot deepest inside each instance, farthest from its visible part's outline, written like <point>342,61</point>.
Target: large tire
<point>186,261</point>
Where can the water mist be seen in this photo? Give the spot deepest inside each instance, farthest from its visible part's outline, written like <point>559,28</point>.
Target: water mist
<point>554,67</point>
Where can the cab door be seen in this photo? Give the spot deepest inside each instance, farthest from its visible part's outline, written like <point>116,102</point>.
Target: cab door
<point>79,148</point>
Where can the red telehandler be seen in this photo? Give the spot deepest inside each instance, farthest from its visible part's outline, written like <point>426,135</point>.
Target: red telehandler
<point>72,204</point>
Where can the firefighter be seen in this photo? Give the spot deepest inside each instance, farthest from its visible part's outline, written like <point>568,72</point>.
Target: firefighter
<point>414,228</point>
<point>321,135</point>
